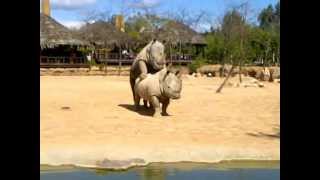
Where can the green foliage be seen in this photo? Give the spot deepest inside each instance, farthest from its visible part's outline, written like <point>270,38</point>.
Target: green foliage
<point>196,64</point>
<point>215,48</point>
<point>236,41</point>
<point>269,18</point>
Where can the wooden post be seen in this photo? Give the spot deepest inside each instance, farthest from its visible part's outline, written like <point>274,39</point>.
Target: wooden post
<point>120,63</point>
<point>203,55</point>
<point>170,52</point>
<point>179,50</point>
<point>119,60</point>
<point>240,71</point>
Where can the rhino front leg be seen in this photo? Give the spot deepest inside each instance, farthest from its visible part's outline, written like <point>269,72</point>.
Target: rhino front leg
<point>143,69</point>
<point>145,103</point>
<point>165,105</point>
<point>156,105</point>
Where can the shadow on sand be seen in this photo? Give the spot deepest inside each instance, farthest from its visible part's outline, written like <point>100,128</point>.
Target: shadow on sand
<point>265,135</point>
<point>142,110</point>
<point>275,135</point>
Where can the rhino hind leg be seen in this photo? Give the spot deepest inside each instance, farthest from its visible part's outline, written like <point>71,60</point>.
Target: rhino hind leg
<point>156,105</point>
<point>132,84</point>
<point>136,102</point>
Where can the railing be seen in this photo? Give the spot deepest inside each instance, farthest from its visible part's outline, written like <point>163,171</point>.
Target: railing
<point>62,61</point>
<point>115,58</point>
<point>110,58</point>
<point>180,59</point>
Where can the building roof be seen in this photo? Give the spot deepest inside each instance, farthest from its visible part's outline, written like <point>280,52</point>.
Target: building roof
<point>53,34</point>
<point>176,32</point>
<point>104,34</point>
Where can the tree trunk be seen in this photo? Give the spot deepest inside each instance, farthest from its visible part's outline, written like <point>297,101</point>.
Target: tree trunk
<point>273,58</point>
<point>225,80</point>
<point>222,70</point>
<point>240,70</point>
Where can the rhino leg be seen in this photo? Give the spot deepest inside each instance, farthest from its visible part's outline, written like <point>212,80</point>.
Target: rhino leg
<point>143,69</point>
<point>165,105</point>
<point>132,83</point>
<point>156,105</point>
<point>136,101</point>
<point>145,103</point>
<point>150,105</point>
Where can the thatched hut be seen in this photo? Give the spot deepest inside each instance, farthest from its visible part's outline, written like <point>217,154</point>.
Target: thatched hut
<point>181,38</point>
<point>107,40</point>
<point>58,45</point>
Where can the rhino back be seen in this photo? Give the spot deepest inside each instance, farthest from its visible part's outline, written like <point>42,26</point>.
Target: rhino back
<point>148,87</point>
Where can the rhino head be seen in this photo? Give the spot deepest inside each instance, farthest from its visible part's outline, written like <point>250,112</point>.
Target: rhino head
<point>171,84</point>
<point>156,55</point>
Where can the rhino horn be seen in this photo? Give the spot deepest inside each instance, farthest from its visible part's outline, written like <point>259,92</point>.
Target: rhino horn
<point>178,74</point>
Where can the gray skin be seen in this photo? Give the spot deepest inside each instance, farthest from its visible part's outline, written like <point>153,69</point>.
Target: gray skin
<point>151,59</point>
<point>158,88</point>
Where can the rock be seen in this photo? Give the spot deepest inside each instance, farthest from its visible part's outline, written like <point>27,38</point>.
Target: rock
<point>205,69</point>
<point>263,75</point>
<point>275,72</point>
<point>120,164</point>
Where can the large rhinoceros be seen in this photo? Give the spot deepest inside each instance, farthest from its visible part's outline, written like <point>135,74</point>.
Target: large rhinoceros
<point>158,88</point>
<point>151,59</point>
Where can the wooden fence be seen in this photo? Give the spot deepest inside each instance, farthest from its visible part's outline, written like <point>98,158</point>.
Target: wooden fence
<point>109,59</point>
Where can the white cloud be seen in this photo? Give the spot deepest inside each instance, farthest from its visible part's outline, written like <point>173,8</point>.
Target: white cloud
<point>72,24</point>
<point>145,3</point>
<point>202,27</point>
<point>71,4</point>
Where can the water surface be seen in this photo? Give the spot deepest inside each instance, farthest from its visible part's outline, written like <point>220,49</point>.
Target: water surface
<point>172,171</point>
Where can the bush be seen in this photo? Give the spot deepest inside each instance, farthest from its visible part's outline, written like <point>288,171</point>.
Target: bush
<point>197,63</point>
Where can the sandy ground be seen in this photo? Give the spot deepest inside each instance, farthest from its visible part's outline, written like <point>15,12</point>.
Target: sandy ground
<point>85,119</point>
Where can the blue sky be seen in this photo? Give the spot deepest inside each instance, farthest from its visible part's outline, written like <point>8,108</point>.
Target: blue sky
<point>71,12</point>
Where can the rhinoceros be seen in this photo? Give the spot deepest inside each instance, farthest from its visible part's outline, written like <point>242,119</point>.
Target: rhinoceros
<point>151,59</point>
<point>158,88</point>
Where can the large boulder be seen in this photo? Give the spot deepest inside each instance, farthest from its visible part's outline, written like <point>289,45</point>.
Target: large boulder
<point>264,74</point>
<point>275,72</point>
<point>206,69</point>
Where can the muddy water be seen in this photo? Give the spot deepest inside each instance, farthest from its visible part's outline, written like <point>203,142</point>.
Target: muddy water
<point>240,170</point>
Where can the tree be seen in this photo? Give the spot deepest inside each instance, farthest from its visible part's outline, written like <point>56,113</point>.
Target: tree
<point>235,30</point>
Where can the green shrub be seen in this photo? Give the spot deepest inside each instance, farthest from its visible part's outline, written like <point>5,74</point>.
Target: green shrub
<point>197,63</point>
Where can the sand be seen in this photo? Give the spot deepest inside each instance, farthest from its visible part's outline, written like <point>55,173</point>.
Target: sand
<point>86,119</point>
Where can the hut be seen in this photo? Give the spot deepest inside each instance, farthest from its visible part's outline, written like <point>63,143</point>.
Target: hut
<point>59,46</point>
<point>109,42</point>
<point>182,41</point>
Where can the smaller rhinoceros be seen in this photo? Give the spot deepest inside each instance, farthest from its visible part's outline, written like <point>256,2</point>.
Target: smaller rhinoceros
<point>158,88</point>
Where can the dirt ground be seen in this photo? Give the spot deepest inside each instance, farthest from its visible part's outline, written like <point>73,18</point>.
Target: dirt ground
<point>85,119</point>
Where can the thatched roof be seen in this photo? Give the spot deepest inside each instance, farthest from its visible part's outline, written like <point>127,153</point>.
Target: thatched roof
<point>53,34</point>
<point>176,32</point>
<point>104,34</point>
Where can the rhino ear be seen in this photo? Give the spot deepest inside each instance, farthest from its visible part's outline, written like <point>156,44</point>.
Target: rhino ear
<point>166,74</point>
